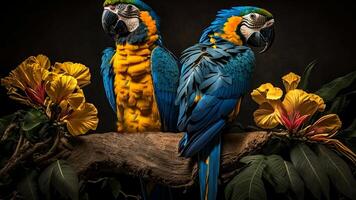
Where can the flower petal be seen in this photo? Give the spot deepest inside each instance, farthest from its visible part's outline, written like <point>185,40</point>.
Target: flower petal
<point>82,120</point>
<point>266,92</point>
<point>27,79</point>
<point>319,101</point>
<point>267,116</point>
<point>301,102</point>
<point>77,70</point>
<point>75,100</point>
<point>60,88</point>
<point>290,81</point>
<point>43,61</point>
<point>328,124</point>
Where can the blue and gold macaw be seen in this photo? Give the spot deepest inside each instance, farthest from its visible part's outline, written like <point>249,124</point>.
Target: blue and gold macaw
<point>141,76</point>
<point>215,74</point>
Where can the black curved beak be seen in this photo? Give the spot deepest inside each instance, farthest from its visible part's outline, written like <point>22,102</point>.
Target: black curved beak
<point>264,38</point>
<point>112,25</point>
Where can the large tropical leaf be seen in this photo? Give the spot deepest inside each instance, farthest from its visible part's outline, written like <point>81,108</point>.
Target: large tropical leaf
<point>33,119</point>
<point>60,176</point>
<point>248,184</point>
<point>307,164</point>
<point>330,90</point>
<point>276,174</point>
<point>341,103</point>
<point>295,181</point>
<point>28,186</point>
<point>305,78</point>
<point>338,171</point>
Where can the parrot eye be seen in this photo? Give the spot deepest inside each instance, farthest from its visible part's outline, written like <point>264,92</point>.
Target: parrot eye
<point>253,16</point>
<point>129,7</point>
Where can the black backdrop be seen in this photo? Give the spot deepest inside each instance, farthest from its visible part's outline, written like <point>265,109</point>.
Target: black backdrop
<point>70,30</point>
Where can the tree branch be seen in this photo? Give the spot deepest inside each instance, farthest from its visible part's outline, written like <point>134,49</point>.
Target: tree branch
<point>154,156</point>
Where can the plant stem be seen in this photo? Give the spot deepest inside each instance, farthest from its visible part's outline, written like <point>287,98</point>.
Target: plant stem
<point>24,152</point>
<point>129,196</point>
<point>19,143</point>
<point>50,151</point>
<point>8,131</point>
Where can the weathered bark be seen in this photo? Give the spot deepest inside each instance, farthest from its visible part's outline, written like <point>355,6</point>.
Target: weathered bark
<point>154,156</point>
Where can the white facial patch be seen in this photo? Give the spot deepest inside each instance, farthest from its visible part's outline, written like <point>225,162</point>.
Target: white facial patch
<point>131,23</point>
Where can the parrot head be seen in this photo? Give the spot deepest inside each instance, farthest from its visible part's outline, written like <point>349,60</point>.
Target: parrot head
<point>128,20</point>
<point>242,25</point>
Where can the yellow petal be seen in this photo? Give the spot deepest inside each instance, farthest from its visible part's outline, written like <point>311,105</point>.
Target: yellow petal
<point>77,70</point>
<point>290,81</point>
<point>75,100</point>
<point>267,116</point>
<point>60,88</point>
<point>300,101</point>
<point>43,61</point>
<point>28,76</point>
<point>328,124</point>
<point>319,101</point>
<point>82,120</point>
<point>266,92</point>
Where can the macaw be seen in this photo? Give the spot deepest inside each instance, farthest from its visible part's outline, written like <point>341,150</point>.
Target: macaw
<point>140,76</point>
<point>215,74</point>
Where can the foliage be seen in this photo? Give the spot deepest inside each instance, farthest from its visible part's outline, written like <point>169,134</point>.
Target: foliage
<point>290,177</point>
<point>311,153</point>
<point>30,139</point>
<point>55,90</point>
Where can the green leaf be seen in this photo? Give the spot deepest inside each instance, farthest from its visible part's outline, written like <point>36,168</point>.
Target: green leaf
<point>340,103</point>
<point>60,176</point>
<point>296,183</point>
<point>276,174</point>
<point>308,166</point>
<point>330,90</point>
<point>248,183</point>
<point>28,187</point>
<point>305,77</point>
<point>33,119</point>
<point>338,171</point>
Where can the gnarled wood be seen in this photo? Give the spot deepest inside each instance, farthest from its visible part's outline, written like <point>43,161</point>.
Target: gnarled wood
<point>154,156</point>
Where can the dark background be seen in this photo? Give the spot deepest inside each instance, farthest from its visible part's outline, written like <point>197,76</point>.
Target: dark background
<point>70,30</point>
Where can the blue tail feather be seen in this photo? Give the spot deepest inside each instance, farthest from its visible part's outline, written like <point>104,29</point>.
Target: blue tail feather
<point>209,164</point>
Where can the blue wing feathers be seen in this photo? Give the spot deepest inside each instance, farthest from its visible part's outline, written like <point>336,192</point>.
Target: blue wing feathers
<point>200,141</point>
<point>165,75</point>
<point>108,76</point>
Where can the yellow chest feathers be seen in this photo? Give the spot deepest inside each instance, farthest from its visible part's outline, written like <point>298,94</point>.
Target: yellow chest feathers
<point>137,109</point>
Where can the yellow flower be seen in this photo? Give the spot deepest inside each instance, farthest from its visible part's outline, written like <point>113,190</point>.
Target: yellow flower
<point>78,71</point>
<point>291,81</point>
<point>82,120</point>
<point>26,82</point>
<point>296,107</point>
